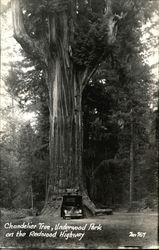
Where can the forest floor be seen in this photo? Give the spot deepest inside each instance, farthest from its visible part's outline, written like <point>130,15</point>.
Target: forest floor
<point>100,232</point>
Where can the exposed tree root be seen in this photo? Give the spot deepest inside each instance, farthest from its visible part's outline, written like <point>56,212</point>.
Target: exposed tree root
<point>53,207</point>
<point>88,205</point>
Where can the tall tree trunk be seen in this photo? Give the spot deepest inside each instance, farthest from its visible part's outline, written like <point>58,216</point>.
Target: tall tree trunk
<point>65,90</point>
<point>65,135</point>
<point>131,163</point>
<point>65,130</point>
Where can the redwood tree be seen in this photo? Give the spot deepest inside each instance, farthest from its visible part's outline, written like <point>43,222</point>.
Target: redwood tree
<point>70,38</point>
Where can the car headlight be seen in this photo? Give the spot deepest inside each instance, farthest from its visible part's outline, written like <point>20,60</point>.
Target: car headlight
<point>66,211</point>
<point>79,211</point>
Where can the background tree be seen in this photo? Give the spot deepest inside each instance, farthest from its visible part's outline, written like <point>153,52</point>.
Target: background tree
<point>8,159</point>
<point>25,83</point>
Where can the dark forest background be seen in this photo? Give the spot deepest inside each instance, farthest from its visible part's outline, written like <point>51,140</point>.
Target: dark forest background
<point>120,126</point>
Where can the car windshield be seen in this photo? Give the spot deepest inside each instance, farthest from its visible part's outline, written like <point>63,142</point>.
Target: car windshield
<point>72,200</point>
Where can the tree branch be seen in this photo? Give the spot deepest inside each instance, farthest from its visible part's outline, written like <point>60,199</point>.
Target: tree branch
<point>87,76</point>
<point>34,48</point>
<point>88,73</point>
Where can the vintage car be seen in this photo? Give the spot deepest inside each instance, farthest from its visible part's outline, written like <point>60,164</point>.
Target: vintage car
<point>72,206</point>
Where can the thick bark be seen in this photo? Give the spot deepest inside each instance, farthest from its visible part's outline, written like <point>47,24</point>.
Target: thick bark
<point>65,135</point>
<point>65,90</point>
<point>65,129</point>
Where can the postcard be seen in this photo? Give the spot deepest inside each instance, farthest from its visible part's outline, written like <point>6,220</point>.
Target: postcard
<point>79,120</point>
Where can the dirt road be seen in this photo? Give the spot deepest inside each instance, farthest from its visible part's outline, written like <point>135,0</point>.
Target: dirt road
<point>102,232</point>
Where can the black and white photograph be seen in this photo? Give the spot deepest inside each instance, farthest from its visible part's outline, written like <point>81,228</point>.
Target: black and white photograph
<point>79,124</point>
